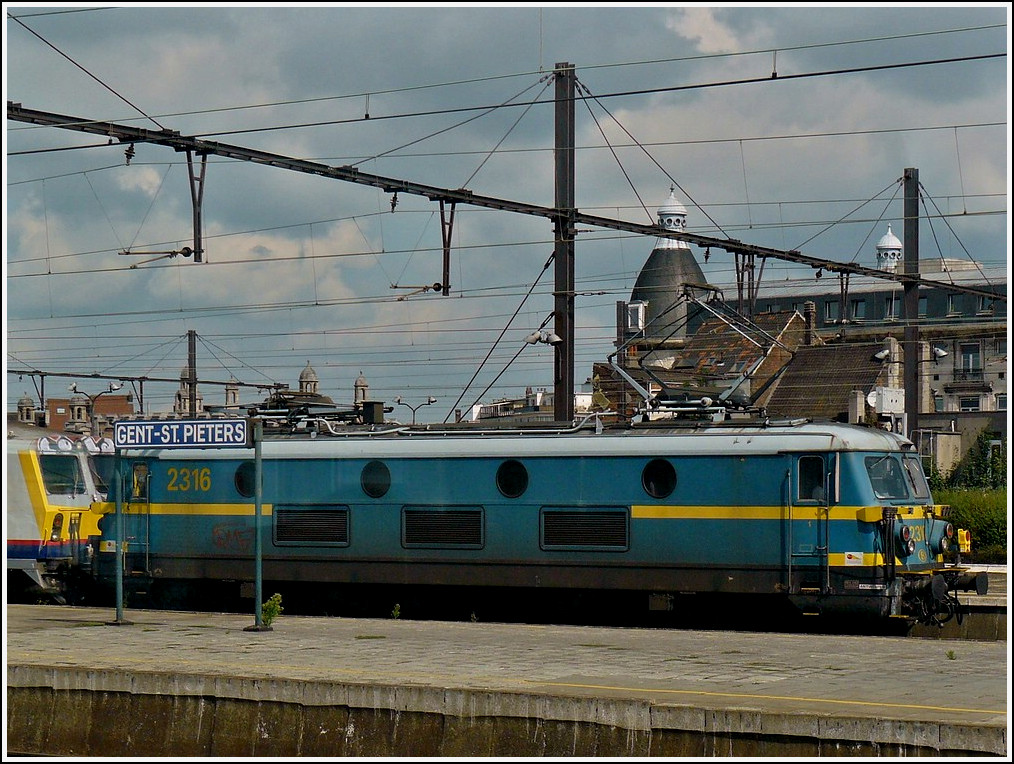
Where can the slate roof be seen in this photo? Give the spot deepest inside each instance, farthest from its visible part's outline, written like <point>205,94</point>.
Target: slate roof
<point>817,381</point>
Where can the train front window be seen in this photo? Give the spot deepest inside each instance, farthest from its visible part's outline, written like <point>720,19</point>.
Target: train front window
<point>61,473</point>
<point>887,477</point>
<point>915,476</point>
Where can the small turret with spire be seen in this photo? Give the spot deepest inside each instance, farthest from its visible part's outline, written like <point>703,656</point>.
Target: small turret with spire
<point>889,252</point>
<point>672,216</point>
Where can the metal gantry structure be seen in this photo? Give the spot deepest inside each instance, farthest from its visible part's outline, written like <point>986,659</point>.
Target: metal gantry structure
<point>564,215</point>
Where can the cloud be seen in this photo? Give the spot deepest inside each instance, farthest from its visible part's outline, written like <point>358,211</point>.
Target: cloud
<point>700,26</point>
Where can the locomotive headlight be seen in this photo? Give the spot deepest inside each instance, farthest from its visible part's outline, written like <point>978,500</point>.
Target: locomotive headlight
<point>906,544</point>
<point>945,545</point>
<point>949,531</point>
<point>57,528</point>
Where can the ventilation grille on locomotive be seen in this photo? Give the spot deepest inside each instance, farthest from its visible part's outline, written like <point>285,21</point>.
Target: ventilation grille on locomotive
<point>312,526</point>
<point>442,528</point>
<point>604,530</point>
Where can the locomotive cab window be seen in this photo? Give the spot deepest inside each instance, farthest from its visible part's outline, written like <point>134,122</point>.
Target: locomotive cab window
<point>139,490</point>
<point>810,479</point>
<point>887,477</point>
<point>102,471</point>
<point>915,477</point>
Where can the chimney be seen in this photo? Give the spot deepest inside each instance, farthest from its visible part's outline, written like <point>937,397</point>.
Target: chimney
<point>810,322</point>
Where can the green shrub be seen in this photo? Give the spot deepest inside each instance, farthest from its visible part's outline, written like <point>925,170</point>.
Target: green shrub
<point>984,466</point>
<point>271,609</point>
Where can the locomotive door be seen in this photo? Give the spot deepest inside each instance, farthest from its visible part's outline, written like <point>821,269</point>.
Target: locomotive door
<point>137,515</point>
<point>809,492</point>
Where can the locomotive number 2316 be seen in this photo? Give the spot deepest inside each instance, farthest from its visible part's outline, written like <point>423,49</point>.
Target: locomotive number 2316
<point>189,479</point>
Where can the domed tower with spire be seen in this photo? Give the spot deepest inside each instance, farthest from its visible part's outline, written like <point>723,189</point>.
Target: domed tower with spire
<point>26,409</point>
<point>670,265</point>
<point>361,390</point>
<point>308,380</point>
<point>232,392</point>
<point>181,404</point>
<point>889,252</point>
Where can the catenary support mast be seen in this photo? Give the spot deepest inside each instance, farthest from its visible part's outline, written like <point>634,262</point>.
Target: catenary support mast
<point>563,293</point>
<point>910,302</point>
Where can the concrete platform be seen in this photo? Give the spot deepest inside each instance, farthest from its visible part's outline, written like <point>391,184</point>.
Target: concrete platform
<point>199,684</point>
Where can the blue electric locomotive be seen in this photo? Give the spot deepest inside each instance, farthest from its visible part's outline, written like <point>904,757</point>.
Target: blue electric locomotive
<point>829,517</point>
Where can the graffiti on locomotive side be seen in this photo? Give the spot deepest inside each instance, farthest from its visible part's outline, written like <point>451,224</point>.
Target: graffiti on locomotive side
<point>232,537</point>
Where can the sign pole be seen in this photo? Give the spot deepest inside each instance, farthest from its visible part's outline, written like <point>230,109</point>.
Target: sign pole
<point>118,499</point>
<point>258,436</point>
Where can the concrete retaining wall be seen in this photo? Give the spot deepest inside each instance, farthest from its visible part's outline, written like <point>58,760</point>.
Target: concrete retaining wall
<point>60,711</point>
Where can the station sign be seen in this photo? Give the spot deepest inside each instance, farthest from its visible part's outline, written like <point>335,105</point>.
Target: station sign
<point>182,433</point>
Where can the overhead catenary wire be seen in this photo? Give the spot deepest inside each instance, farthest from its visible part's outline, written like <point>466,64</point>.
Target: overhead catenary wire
<point>123,98</point>
<point>618,94</point>
<point>501,335</point>
<point>923,197</point>
<point>584,67</point>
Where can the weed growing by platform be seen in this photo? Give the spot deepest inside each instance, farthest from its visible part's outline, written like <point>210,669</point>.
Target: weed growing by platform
<point>271,609</point>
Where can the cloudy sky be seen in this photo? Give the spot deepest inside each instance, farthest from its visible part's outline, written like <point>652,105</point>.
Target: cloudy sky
<point>302,269</point>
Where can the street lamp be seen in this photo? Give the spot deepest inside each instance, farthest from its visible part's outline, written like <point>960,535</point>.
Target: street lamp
<point>550,338</point>
<point>415,408</point>
<point>92,399</point>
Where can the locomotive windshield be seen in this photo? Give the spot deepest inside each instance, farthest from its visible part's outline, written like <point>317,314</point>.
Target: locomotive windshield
<point>102,471</point>
<point>61,473</point>
<point>897,479</point>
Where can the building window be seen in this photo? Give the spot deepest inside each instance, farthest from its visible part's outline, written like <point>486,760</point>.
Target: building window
<point>635,316</point>
<point>938,403</point>
<point>922,307</point>
<point>892,311</point>
<point>1001,401</point>
<point>859,309</point>
<point>985,304</point>
<point>831,312</point>
<point>953,305</point>
<point>971,361</point>
<point>1000,346</point>
<point>969,403</point>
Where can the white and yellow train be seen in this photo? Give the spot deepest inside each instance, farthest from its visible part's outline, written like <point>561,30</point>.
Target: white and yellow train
<point>51,481</point>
